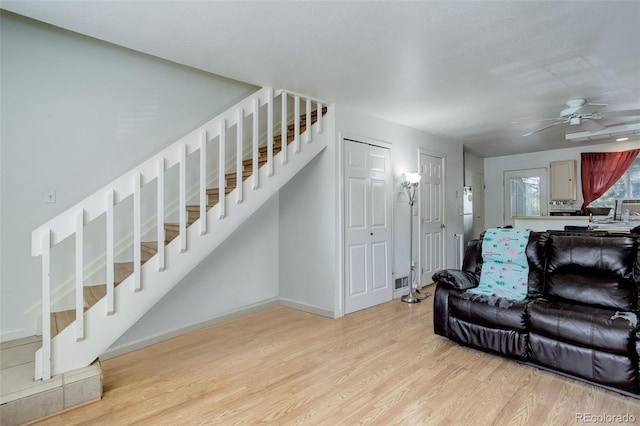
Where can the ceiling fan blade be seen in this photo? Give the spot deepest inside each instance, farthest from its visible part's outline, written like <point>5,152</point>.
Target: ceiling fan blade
<point>591,125</point>
<point>543,128</point>
<point>590,108</point>
<point>535,121</point>
<point>624,113</point>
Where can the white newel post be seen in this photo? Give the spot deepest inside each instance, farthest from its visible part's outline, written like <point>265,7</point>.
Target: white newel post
<point>80,275</point>
<point>110,253</point>
<point>46,305</point>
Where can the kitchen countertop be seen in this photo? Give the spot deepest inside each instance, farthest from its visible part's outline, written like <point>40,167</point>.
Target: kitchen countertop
<point>600,223</point>
<point>560,217</point>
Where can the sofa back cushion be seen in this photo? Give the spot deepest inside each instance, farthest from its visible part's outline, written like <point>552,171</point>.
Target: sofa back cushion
<point>592,270</point>
<point>537,258</point>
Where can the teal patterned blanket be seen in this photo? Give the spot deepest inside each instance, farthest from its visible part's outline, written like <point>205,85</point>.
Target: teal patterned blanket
<point>504,264</point>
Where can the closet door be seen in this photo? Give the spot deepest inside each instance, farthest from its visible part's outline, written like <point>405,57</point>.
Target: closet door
<point>367,222</point>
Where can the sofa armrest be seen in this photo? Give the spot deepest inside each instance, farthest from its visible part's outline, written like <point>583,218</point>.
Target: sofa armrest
<point>454,278</point>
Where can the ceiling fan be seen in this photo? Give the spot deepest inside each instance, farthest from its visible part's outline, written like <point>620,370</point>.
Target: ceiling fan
<point>584,114</point>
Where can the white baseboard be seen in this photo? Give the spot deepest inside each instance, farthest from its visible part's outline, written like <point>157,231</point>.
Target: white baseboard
<point>312,309</point>
<point>115,351</point>
<point>15,334</point>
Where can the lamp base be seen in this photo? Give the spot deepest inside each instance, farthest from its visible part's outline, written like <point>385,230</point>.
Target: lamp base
<point>410,298</point>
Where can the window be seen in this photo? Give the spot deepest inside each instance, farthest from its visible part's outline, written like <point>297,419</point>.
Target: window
<point>525,196</point>
<point>628,186</point>
<point>525,193</point>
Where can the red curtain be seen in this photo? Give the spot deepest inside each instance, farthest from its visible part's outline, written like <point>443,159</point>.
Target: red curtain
<point>600,170</point>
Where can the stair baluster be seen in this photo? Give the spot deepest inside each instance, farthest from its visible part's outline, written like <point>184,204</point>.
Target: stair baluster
<point>204,199</point>
<point>308,120</point>
<point>222,180</point>
<point>270,132</point>
<point>182,190</point>
<point>137,260</point>
<point>296,125</point>
<point>283,134</point>
<point>256,141</point>
<point>160,213</point>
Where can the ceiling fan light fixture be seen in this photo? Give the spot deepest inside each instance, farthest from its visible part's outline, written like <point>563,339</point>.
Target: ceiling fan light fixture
<point>622,130</point>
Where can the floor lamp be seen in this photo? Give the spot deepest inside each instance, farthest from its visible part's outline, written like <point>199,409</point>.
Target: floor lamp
<point>410,182</point>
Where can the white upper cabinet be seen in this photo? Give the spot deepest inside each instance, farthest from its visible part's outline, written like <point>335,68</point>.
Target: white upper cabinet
<point>563,180</point>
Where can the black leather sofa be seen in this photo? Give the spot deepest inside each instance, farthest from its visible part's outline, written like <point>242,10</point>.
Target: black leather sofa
<point>579,318</point>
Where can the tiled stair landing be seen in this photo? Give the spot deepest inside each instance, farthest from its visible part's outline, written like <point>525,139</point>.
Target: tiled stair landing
<point>23,399</point>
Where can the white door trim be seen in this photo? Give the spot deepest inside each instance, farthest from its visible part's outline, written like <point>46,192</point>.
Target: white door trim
<point>341,282</point>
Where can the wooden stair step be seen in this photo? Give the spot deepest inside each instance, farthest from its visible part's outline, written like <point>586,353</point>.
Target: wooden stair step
<point>232,176</point>
<point>121,271</point>
<point>196,207</point>
<point>61,320</point>
<point>171,231</point>
<point>247,165</point>
<point>262,150</point>
<point>214,192</point>
<point>93,293</point>
<point>148,250</point>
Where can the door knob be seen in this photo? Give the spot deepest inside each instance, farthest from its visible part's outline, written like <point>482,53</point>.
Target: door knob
<point>442,225</point>
<point>372,233</point>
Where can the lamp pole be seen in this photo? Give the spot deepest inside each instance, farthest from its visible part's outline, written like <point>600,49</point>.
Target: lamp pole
<point>410,183</point>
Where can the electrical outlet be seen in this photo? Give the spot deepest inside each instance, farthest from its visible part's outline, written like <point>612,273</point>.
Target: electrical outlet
<point>50,197</point>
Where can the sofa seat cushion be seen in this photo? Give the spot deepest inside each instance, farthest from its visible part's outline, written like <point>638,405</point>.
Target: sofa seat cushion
<point>602,329</point>
<point>488,311</point>
<point>510,343</point>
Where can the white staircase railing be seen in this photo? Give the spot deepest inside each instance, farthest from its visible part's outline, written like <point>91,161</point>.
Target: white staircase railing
<point>95,329</point>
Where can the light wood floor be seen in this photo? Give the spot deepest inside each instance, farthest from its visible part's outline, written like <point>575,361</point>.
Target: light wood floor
<point>379,366</point>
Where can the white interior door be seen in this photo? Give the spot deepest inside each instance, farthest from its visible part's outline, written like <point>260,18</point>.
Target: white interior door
<point>478,204</point>
<point>432,241</point>
<point>367,221</point>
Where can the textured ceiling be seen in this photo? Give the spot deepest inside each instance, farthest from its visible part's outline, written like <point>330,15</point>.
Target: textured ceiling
<point>466,70</point>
